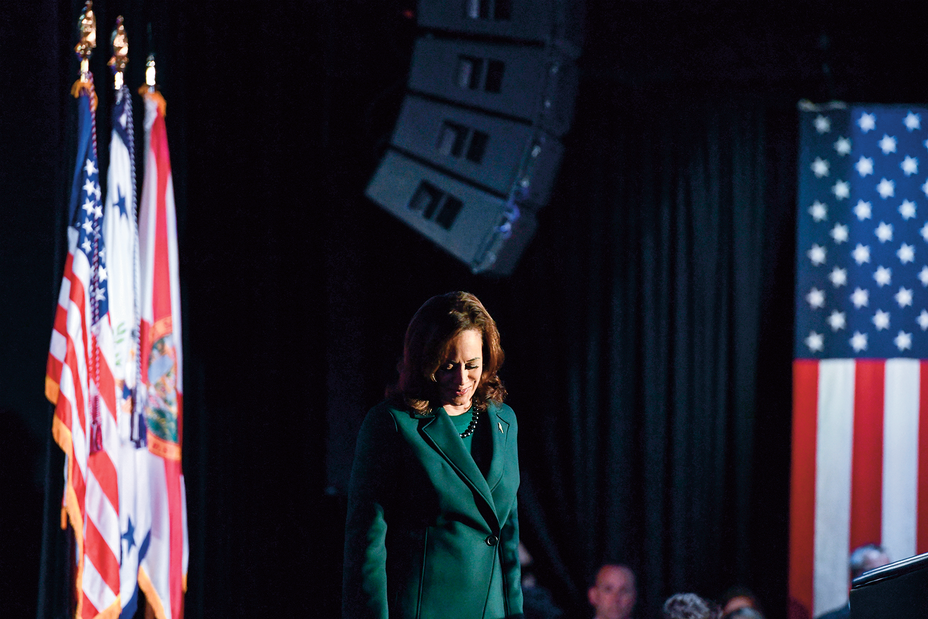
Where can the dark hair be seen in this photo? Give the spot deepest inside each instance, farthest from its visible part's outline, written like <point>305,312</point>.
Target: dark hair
<point>594,578</point>
<point>739,591</point>
<point>688,606</point>
<point>428,339</point>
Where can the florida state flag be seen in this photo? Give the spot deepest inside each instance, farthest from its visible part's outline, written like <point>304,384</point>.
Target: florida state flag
<point>163,568</point>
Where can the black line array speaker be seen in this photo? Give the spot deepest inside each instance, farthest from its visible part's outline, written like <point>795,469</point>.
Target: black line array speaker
<point>898,591</point>
<point>476,148</point>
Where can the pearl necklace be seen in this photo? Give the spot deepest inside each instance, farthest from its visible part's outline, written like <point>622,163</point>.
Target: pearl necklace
<point>472,425</point>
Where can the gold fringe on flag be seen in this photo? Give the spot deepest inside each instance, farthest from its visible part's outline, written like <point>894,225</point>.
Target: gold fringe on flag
<point>156,97</point>
<point>82,86</point>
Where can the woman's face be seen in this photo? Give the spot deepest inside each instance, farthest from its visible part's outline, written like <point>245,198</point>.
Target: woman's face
<point>459,374</point>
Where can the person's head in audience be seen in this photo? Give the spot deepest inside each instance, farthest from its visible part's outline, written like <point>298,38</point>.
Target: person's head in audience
<point>863,559</point>
<point>613,595</point>
<point>866,558</point>
<point>745,612</point>
<point>738,597</point>
<point>689,606</point>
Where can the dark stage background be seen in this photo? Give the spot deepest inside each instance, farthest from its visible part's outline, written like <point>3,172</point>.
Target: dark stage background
<point>648,326</point>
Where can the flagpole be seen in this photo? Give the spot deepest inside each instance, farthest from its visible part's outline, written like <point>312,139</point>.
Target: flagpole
<point>150,73</point>
<point>118,62</point>
<point>88,41</point>
<point>150,88</point>
<point>166,561</point>
<point>78,375</point>
<point>87,27</point>
<point>120,57</point>
<point>71,506</point>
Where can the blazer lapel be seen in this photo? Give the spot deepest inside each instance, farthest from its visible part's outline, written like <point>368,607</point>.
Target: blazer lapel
<point>441,434</point>
<point>500,432</point>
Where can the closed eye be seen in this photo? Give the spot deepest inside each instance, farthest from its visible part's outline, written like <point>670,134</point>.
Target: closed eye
<point>470,365</point>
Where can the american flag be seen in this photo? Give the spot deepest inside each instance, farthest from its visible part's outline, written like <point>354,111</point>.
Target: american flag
<point>79,382</point>
<point>860,405</point>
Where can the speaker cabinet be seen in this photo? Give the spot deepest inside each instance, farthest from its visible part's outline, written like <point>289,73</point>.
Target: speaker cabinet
<point>476,148</point>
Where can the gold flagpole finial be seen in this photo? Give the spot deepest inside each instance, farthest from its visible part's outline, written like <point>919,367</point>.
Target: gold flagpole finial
<point>87,27</point>
<point>120,52</point>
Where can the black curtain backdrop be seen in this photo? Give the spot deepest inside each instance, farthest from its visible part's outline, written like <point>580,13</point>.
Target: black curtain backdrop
<point>650,419</point>
<point>647,327</point>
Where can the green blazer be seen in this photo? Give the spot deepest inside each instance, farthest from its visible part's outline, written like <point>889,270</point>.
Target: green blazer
<point>428,535</point>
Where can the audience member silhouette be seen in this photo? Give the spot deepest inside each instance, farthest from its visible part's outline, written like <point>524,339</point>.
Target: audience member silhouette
<point>744,612</point>
<point>613,595</point>
<point>689,606</point>
<point>537,602</point>
<point>863,559</point>
<point>737,598</point>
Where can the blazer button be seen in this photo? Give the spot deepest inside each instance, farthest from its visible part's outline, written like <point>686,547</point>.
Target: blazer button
<point>492,540</point>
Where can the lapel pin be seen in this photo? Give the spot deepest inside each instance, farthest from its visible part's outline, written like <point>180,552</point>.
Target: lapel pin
<point>500,426</point>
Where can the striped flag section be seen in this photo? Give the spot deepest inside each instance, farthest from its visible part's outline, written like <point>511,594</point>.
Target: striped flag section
<point>79,382</point>
<point>163,573</point>
<point>860,439</point>
<point>860,379</point>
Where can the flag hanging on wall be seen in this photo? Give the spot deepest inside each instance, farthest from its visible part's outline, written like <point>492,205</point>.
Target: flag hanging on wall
<point>860,377</point>
<point>79,382</point>
<point>163,574</point>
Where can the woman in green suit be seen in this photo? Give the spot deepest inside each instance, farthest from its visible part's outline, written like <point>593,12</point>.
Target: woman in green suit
<point>432,530</point>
